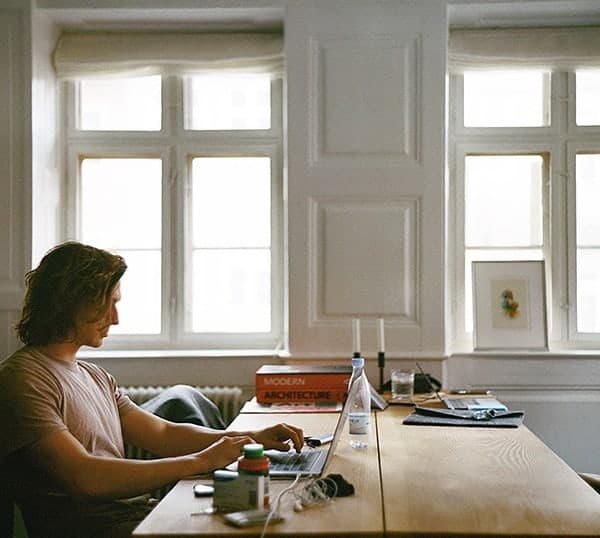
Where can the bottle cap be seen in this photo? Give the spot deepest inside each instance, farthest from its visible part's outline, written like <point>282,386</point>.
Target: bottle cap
<point>357,361</point>
<point>253,450</point>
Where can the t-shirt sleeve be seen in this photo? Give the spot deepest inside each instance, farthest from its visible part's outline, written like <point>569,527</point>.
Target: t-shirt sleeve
<point>124,403</point>
<point>30,404</point>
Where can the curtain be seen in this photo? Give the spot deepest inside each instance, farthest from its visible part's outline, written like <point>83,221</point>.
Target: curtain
<point>549,48</point>
<point>126,53</point>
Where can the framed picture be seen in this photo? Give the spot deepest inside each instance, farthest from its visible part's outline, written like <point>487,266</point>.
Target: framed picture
<point>509,305</point>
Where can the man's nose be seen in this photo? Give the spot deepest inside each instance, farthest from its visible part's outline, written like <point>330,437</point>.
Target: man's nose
<point>114,316</point>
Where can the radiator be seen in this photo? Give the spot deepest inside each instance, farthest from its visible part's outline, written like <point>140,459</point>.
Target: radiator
<point>227,399</point>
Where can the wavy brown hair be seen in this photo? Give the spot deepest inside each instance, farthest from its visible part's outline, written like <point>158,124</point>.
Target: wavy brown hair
<point>72,280</point>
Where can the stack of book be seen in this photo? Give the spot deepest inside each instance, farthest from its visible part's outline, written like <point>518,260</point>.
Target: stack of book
<point>302,384</point>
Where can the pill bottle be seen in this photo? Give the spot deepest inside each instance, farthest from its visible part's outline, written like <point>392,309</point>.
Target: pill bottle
<point>253,469</point>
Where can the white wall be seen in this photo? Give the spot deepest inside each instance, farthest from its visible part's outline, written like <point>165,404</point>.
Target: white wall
<point>15,164</point>
<point>366,194</point>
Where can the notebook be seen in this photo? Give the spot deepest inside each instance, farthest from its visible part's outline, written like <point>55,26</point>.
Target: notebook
<point>474,404</point>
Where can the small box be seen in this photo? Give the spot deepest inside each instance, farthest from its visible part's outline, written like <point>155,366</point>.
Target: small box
<point>235,492</point>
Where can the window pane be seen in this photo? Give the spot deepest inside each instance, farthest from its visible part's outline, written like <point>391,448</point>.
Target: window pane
<point>120,104</point>
<point>121,202</point>
<point>231,290</point>
<point>503,200</point>
<point>588,242</point>
<point>472,255</point>
<point>221,102</point>
<point>120,210</point>
<point>139,307</point>
<point>588,290</point>
<point>506,99</point>
<point>588,196</point>
<point>587,97</point>
<point>231,202</point>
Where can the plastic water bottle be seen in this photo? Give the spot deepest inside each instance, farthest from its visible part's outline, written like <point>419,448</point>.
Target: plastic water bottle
<point>359,411</point>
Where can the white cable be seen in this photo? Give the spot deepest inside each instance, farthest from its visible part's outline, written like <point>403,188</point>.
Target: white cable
<point>275,506</point>
<point>311,494</point>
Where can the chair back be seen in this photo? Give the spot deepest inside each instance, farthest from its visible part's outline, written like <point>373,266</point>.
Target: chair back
<point>7,506</point>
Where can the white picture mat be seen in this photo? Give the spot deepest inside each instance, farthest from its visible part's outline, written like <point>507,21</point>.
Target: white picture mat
<point>517,319</point>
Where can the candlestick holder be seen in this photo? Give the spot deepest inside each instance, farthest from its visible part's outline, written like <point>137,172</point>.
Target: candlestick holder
<point>381,364</point>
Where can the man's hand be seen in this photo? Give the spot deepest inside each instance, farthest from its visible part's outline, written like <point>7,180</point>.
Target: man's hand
<point>222,452</point>
<point>279,437</point>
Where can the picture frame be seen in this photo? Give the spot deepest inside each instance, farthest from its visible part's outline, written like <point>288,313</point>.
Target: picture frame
<point>509,305</point>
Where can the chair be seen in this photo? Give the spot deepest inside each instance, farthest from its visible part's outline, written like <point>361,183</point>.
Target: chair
<point>7,514</point>
<point>7,503</point>
<point>11,523</point>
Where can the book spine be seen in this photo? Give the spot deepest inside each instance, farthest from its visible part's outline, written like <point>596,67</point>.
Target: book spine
<point>272,382</point>
<point>299,395</point>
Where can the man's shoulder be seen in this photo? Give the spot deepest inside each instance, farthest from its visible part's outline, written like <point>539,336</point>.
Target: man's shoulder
<point>22,357</point>
<point>22,372</point>
<point>96,371</point>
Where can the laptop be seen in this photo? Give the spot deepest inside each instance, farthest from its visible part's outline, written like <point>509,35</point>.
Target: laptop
<point>310,462</point>
<point>474,404</point>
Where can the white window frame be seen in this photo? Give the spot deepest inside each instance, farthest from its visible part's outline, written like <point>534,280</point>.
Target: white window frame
<point>176,147</point>
<point>560,141</point>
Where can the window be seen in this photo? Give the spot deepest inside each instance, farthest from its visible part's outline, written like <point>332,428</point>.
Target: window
<point>181,174</point>
<point>524,155</point>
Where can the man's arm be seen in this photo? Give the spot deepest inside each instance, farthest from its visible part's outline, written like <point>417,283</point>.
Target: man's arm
<point>186,450</point>
<point>164,438</point>
<point>60,456</point>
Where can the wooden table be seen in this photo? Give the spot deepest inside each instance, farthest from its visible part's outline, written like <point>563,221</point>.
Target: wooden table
<point>478,481</point>
<point>359,514</point>
<point>434,481</point>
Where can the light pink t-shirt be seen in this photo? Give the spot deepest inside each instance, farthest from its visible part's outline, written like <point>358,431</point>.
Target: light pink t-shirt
<point>40,395</point>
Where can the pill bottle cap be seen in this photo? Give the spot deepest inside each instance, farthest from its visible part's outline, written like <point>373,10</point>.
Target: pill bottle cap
<point>253,450</point>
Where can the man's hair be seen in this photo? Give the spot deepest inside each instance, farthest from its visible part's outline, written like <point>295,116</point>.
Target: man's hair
<point>72,280</point>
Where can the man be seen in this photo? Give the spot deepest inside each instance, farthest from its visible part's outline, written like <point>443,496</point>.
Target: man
<point>65,421</point>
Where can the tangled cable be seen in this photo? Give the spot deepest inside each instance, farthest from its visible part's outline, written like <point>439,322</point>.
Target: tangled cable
<point>311,493</point>
<point>315,492</point>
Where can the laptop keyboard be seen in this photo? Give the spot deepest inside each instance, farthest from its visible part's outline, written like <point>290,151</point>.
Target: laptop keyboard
<point>292,461</point>
<point>461,403</point>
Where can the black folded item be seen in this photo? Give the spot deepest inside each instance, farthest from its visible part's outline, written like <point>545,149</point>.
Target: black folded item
<point>486,418</point>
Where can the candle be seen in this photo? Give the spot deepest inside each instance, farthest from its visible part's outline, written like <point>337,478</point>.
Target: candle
<point>356,335</point>
<point>381,337</point>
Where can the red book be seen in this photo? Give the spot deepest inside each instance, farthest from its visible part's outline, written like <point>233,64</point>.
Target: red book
<point>302,384</point>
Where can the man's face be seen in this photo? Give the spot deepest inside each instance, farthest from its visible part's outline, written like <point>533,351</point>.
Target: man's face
<point>93,333</point>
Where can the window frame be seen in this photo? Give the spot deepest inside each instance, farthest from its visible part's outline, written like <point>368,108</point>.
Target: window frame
<point>560,141</point>
<point>176,146</point>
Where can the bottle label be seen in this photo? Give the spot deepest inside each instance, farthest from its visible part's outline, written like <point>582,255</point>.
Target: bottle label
<point>358,423</point>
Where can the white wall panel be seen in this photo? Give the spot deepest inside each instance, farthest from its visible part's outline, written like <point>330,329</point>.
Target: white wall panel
<point>15,170</point>
<point>364,258</point>
<point>365,104</point>
<point>364,99</point>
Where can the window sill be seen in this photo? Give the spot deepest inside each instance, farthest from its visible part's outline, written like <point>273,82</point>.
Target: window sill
<point>181,353</point>
<point>529,354</point>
